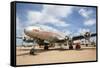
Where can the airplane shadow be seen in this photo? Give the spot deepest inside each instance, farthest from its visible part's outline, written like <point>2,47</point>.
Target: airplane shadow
<point>24,54</point>
<point>37,51</point>
<point>23,49</point>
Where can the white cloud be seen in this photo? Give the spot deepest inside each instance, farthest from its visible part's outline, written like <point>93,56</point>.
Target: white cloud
<point>57,11</point>
<point>90,22</point>
<point>50,14</point>
<point>40,18</point>
<point>34,16</point>
<point>85,13</point>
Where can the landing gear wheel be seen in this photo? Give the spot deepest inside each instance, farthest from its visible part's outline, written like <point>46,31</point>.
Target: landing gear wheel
<point>46,47</point>
<point>77,46</point>
<point>71,47</point>
<point>32,51</point>
<point>86,45</point>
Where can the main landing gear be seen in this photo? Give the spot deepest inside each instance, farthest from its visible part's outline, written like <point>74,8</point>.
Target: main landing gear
<point>78,46</point>
<point>32,51</point>
<point>70,47</point>
<point>46,47</point>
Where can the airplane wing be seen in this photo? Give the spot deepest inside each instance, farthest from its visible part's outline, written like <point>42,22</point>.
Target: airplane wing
<point>29,40</point>
<point>19,37</point>
<point>25,39</point>
<point>82,37</point>
<point>60,41</point>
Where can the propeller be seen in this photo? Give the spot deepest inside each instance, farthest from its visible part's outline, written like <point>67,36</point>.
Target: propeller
<point>87,36</point>
<point>23,38</point>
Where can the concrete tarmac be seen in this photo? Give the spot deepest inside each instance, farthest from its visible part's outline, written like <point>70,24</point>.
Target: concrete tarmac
<point>54,55</point>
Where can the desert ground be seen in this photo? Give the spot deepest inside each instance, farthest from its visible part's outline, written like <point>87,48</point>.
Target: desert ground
<point>54,55</point>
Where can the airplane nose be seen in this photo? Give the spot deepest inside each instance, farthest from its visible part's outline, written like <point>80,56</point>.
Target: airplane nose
<point>28,29</point>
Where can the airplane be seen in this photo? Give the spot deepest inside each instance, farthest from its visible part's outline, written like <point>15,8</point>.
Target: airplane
<point>46,36</point>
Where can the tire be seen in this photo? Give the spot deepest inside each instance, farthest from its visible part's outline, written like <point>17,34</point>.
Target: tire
<point>46,47</point>
<point>32,52</point>
<point>78,46</point>
<point>86,45</point>
<point>71,47</point>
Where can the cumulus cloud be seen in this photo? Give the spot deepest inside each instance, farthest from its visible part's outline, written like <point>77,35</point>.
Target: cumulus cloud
<point>57,11</point>
<point>34,17</point>
<point>90,22</point>
<point>87,14</point>
<point>40,18</point>
<point>50,14</point>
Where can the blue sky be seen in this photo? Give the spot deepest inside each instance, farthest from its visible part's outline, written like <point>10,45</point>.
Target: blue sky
<point>68,19</point>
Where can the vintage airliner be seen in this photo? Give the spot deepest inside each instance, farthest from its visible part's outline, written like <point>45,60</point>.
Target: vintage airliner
<point>46,36</point>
